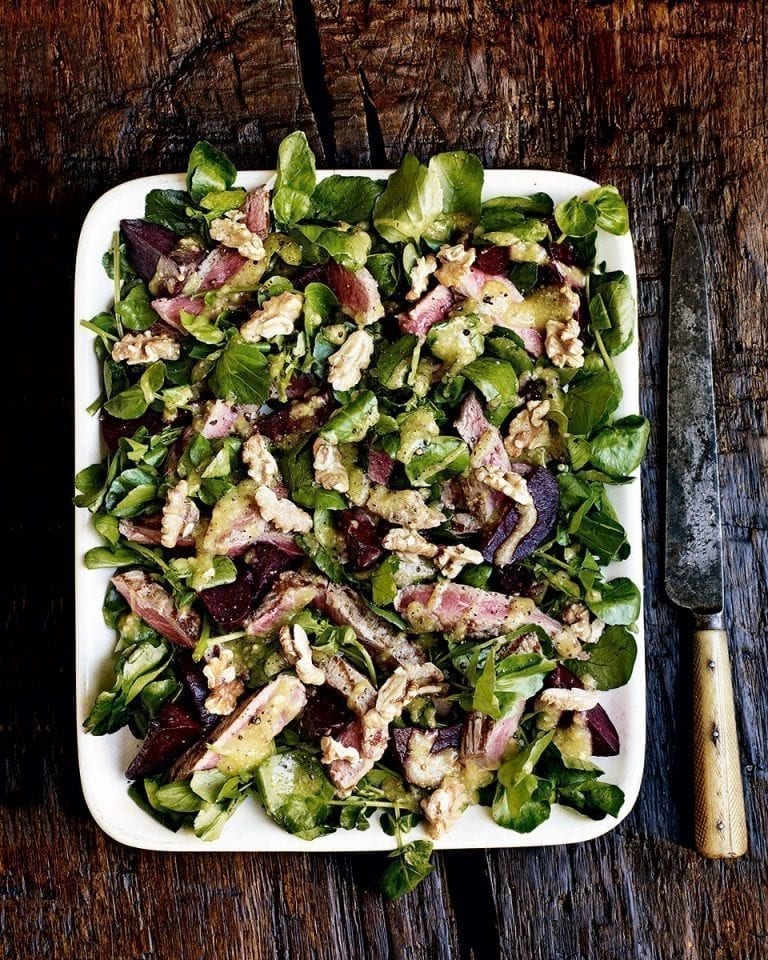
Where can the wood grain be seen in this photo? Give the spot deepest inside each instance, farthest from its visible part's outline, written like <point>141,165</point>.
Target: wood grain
<point>665,99</point>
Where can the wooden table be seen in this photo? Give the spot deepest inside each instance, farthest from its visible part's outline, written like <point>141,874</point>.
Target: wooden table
<point>665,99</point>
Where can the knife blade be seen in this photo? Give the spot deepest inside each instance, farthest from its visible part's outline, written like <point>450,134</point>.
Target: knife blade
<point>693,547</point>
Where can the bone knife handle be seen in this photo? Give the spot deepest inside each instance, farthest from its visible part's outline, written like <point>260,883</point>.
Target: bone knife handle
<point>720,822</point>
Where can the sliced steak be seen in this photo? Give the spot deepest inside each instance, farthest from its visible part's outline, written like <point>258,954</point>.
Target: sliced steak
<point>152,602</point>
<point>272,707</point>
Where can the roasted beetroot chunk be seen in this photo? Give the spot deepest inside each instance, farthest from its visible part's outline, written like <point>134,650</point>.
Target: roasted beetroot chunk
<point>605,736</point>
<point>325,714</point>
<point>146,243</point>
<point>112,429</point>
<point>267,561</point>
<point>546,497</point>
<point>195,688</point>
<point>169,734</point>
<point>230,603</point>
<point>493,260</point>
<point>362,538</point>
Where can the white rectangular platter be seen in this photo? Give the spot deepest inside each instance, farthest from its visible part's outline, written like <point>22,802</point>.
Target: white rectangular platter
<point>103,760</point>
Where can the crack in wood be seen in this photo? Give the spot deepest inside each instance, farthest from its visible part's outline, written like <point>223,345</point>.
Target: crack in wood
<point>376,148</point>
<point>310,55</point>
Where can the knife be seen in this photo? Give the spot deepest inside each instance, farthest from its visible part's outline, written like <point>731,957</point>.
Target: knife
<point>693,549</point>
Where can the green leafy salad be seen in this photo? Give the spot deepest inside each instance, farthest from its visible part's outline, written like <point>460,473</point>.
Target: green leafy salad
<point>358,435</point>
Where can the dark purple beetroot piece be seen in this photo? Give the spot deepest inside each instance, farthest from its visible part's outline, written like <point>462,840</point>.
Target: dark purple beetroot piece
<point>380,466</point>
<point>532,389</point>
<point>299,385</point>
<point>546,497</point>
<point>112,428</point>
<point>361,537</point>
<point>266,562</point>
<point>230,603</point>
<point>492,260</point>
<point>195,688</point>
<point>565,252</point>
<point>315,274</point>
<point>446,737</point>
<point>169,734</point>
<point>517,582</point>
<point>605,737</point>
<point>146,243</point>
<point>500,533</point>
<point>325,714</point>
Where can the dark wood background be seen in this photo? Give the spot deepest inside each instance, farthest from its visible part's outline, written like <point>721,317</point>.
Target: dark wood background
<point>665,99</point>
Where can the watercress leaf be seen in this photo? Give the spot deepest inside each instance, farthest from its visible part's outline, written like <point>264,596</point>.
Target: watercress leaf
<point>386,272</point>
<point>295,791</point>
<point>484,698</point>
<point>178,797</point>
<point>100,557</point>
<point>135,310</point>
<point>612,213</point>
<point>169,209</point>
<point>497,381</point>
<point>350,423</point>
<point>591,399</point>
<point>524,806</point>
<point>619,448</point>
<point>615,304</point>
<point>90,483</point>
<point>508,346</point>
<point>201,328</point>
<point>410,865</point>
<point>321,557</point>
<point>410,204</point>
<point>319,305</point>
<point>461,178</point>
<point>350,199</point>
<point>616,602</point>
<point>611,659</point>
<point>218,202</point>
<point>603,535</point>
<point>350,248</point>
<point>240,373</point>
<point>394,363</point>
<point>208,169</point>
<point>142,664</point>
<point>383,585</point>
<point>576,217</point>
<point>295,183</point>
<point>107,527</point>
<point>212,818</point>
<point>503,213</point>
<point>437,460</point>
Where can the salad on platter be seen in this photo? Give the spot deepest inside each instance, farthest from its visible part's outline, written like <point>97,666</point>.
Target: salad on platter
<point>358,435</point>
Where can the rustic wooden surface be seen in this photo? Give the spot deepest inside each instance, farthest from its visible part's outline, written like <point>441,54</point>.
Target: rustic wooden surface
<point>665,99</point>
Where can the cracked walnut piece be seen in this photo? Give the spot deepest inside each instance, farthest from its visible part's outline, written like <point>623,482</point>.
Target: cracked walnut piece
<point>276,318</point>
<point>421,271</point>
<point>529,428</point>
<point>334,750</point>
<point>179,515</point>
<point>330,472</point>
<point>295,644</point>
<point>576,616</point>
<point>231,231</point>
<point>262,466</point>
<point>282,513</point>
<point>455,264</point>
<point>145,347</point>
<point>562,343</point>
<point>346,365</point>
<point>452,559</point>
<point>221,674</point>
<point>400,540</point>
<point>511,484</point>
